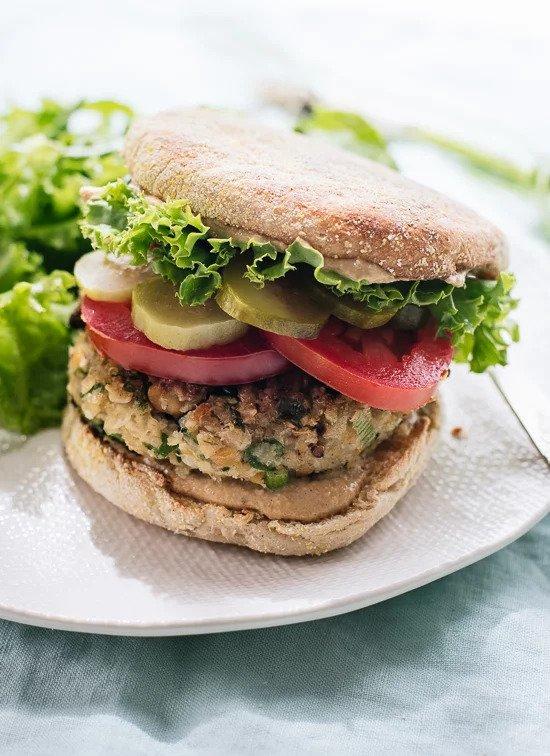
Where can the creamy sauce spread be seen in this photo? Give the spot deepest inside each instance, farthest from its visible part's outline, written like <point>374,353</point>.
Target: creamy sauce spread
<point>356,269</point>
<point>304,499</point>
<point>359,270</point>
<point>457,279</point>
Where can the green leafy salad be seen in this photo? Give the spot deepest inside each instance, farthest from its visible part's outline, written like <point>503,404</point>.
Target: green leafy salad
<point>47,155</point>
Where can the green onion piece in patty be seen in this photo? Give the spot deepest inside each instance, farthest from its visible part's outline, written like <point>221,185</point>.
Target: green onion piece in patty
<point>275,479</point>
<point>264,455</point>
<point>364,427</point>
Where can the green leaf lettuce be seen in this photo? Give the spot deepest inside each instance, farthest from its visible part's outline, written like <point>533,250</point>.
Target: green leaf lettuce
<point>350,130</point>
<point>43,164</point>
<point>46,156</point>
<point>17,264</point>
<point>476,316</point>
<point>34,339</point>
<point>174,241</point>
<point>165,235</point>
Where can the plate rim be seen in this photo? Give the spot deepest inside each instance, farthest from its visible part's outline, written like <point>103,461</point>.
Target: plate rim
<point>325,610</point>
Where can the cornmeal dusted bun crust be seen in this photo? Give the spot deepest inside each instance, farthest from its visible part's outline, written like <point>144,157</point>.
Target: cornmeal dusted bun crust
<point>367,220</point>
<point>145,492</point>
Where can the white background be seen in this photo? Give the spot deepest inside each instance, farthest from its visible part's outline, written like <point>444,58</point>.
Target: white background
<point>479,68</point>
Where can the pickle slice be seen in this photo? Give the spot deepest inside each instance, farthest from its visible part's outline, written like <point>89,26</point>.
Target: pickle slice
<point>105,281</point>
<point>410,318</point>
<point>157,312</point>
<point>346,308</point>
<point>281,306</point>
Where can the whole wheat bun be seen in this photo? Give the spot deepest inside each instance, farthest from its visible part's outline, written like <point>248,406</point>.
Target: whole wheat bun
<point>368,221</point>
<point>143,491</point>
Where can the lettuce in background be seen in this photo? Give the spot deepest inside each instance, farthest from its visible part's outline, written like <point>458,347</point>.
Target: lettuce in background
<point>46,155</point>
<point>109,119</point>
<point>34,340</point>
<point>350,130</point>
<point>17,264</point>
<point>44,161</point>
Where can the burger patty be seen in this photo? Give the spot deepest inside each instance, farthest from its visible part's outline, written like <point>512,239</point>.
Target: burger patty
<point>259,432</point>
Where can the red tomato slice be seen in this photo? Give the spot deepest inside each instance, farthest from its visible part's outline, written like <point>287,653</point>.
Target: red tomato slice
<point>382,367</point>
<point>243,361</point>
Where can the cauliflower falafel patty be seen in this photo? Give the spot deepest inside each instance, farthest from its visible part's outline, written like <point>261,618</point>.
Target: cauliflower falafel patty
<point>261,432</point>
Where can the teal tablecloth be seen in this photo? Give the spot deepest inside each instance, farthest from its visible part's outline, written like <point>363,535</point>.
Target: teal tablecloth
<point>461,666</point>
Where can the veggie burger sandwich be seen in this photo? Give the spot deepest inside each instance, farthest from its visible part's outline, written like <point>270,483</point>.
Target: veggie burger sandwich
<point>267,321</point>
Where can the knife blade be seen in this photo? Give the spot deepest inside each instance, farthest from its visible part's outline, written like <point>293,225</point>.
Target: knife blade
<point>529,403</point>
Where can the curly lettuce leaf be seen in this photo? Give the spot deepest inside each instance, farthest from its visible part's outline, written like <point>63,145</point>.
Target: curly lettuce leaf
<point>268,263</point>
<point>175,243</point>
<point>44,161</point>
<point>167,236</point>
<point>50,119</point>
<point>34,339</point>
<point>105,118</point>
<point>350,130</point>
<point>476,316</point>
<point>17,264</point>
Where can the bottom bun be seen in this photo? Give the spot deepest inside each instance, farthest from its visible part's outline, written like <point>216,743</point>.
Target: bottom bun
<point>130,483</point>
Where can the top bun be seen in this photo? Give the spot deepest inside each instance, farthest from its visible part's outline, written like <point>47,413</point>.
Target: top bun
<point>368,221</point>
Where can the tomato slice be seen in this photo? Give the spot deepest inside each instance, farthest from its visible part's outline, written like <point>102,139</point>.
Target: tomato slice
<point>382,367</point>
<point>243,361</point>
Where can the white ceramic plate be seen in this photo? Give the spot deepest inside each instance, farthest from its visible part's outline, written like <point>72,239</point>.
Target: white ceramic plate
<point>71,560</point>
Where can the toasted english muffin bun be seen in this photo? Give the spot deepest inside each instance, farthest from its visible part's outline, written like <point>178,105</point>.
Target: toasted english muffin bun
<point>143,491</point>
<point>368,221</point>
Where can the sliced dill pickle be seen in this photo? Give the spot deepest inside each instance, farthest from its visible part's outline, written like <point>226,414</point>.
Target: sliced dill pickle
<point>105,281</point>
<point>157,312</point>
<point>410,318</point>
<point>346,308</point>
<point>281,306</point>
